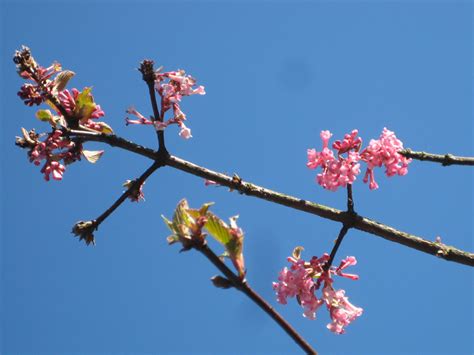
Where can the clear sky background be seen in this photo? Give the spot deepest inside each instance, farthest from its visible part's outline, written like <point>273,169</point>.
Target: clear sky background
<point>276,74</point>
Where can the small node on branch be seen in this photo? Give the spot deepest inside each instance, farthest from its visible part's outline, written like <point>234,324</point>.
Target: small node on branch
<point>84,230</point>
<point>136,191</point>
<point>221,282</point>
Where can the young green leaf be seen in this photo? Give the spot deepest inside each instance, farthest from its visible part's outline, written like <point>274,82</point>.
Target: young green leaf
<point>84,105</point>
<point>218,229</point>
<point>44,115</point>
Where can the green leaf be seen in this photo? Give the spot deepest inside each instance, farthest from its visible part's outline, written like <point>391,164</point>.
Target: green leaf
<point>205,207</point>
<point>181,215</point>
<point>84,105</point>
<point>92,156</point>
<point>218,229</point>
<point>201,211</point>
<point>44,115</point>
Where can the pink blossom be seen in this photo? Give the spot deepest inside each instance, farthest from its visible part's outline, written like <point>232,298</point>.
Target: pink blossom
<point>341,311</point>
<point>172,87</point>
<point>350,142</point>
<point>31,94</point>
<point>384,151</point>
<point>303,279</point>
<point>52,150</point>
<point>185,132</point>
<point>141,119</point>
<point>68,101</point>
<point>297,282</point>
<point>340,171</point>
<point>210,182</point>
<point>29,69</point>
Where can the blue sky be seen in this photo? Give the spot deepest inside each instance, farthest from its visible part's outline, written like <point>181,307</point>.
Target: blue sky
<point>276,74</point>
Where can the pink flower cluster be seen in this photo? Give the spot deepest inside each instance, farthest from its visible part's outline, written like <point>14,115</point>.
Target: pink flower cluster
<point>53,149</point>
<point>384,151</point>
<point>68,101</point>
<point>35,94</point>
<point>303,279</point>
<point>74,109</point>
<point>340,170</point>
<point>171,86</point>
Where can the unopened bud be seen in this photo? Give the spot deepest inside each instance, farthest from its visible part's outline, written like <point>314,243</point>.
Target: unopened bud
<point>221,282</point>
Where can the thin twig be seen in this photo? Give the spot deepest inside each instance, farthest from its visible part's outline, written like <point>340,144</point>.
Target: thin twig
<point>350,199</point>
<point>243,286</point>
<point>345,228</point>
<point>358,222</point>
<point>146,68</point>
<point>339,239</point>
<point>133,188</point>
<point>445,160</point>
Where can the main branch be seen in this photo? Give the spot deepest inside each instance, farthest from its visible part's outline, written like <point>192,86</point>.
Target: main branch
<point>355,221</point>
<point>445,160</point>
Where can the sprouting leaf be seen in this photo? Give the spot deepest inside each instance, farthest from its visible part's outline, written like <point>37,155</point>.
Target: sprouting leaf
<point>92,156</point>
<point>201,211</point>
<point>44,115</point>
<point>84,105</point>
<point>169,224</point>
<point>218,229</point>
<point>181,216</point>
<point>204,208</point>
<point>62,79</point>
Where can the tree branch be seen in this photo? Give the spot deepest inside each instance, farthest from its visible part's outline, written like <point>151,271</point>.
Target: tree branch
<point>445,160</point>
<point>133,188</point>
<point>355,221</point>
<point>243,286</point>
<point>339,239</point>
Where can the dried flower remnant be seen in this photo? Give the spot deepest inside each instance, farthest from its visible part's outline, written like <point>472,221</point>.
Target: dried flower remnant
<point>304,278</point>
<point>137,194</point>
<point>84,230</point>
